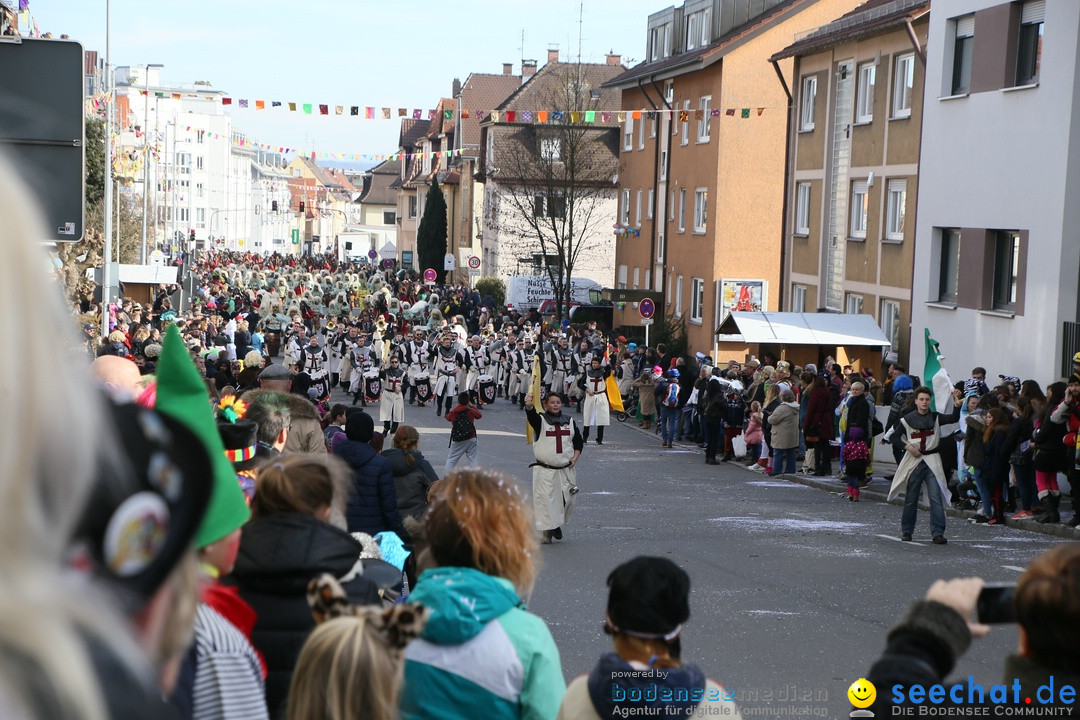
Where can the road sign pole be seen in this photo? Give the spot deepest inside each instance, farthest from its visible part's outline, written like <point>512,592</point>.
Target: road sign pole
<point>646,336</point>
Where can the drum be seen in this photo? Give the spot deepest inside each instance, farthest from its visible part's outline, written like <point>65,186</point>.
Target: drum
<point>423,386</point>
<point>372,386</point>
<point>487,389</point>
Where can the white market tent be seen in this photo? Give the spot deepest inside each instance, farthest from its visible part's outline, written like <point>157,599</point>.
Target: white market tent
<point>786,328</point>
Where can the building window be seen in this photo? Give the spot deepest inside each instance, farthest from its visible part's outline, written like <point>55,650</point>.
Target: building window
<point>853,304</point>
<point>641,132</point>
<point>624,217</point>
<point>701,202</point>
<point>660,42</point>
<point>389,217</point>
<point>962,46</point>
<point>1006,269</point>
<point>686,125</point>
<point>798,298</point>
<point>200,137</point>
<point>705,27</point>
<point>663,165</point>
<point>551,149</point>
<point>637,208</point>
<point>622,277</point>
<point>637,277</point>
<point>864,93</point>
<point>704,124</point>
<point>659,252</point>
<point>200,217</point>
<point>1029,51</point>
<point>897,202</point>
<point>648,278</point>
<point>949,278</point>
<point>412,206</point>
<point>903,86</point>
<point>692,30</point>
<point>808,104</point>
<point>682,209</point>
<point>678,296</point>
<point>671,206</point>
<point>628,132</point>
<point>802,208</point>
<point>553,206</point>
<point>654,122</point>
<point>859,198</point>
<point>198,190</point>
<point>890,323</point>
<point>199,162</point>
<point>649,207</point>
<point>697,299</point>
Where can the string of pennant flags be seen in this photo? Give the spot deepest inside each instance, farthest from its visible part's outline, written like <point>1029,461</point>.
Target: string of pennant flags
<point>371,112</point>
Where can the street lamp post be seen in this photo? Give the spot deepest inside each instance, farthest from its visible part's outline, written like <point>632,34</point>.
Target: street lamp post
<point>146,154</point>
<point>106,281</point>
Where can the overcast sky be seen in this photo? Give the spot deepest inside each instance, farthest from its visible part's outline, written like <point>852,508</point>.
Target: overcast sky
<point>344,52</point>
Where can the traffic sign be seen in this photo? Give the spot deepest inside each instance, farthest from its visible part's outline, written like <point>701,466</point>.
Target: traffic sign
<point>430,275</point>
<point>647,308</point>
<point>646,321</point>
<point>372,254</point>
<point>388,263</point>
<point>474,263</point>
<point>156,258</point>
<point>449,262</point>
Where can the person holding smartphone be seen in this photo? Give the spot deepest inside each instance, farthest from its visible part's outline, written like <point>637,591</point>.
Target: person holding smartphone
<point>924,647</point>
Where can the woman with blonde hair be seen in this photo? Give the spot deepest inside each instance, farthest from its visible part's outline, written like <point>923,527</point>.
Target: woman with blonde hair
<point>484,544</point>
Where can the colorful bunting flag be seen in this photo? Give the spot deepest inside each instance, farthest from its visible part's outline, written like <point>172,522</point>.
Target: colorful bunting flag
<point>557,116</point>
<point>511,115</point>
<point>745,113</point>
<point>417,114</point>
<point>339,109</point>
<point>527,116</point>
<point>324,109</point>
<point>226,101</point>
<point>260,104</point>
<point>590,116</point>
<point>730,111</point>
<point>369,113</point>
<point>759,111</point>
<point>542,116</point>
<point>684,116</point>
<point>307,108</point>
<point>448,114</point>
<point>277,103</point>
<point>464,114</point>
<point>402,112</point>
<point>243,103</point>
<point>354,111</point>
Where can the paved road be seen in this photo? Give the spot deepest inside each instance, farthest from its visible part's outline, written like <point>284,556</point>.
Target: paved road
<point>794,588</point>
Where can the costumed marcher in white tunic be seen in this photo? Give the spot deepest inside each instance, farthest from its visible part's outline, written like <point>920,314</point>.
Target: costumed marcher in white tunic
<point>557,444</point>
<point>416,353</point>
<point>560,364</point>
<point>597,409</point>
<point>521,362</point>
<point>580,363</point>
<point>364,362</point>
<point>334,333</point>
<point>919,436</point>
<point>294,346</point>
<point>446,360</point>
<point>478,365</point>
<point>508,378</point>
<point>345,344</point>
<point>312,361</point>
<point>392,401</point>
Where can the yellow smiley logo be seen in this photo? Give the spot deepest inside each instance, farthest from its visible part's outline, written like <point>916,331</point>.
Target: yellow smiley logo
<point>862,693</point>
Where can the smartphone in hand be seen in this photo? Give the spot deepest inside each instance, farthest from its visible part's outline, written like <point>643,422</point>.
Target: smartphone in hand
<point>995,603</point>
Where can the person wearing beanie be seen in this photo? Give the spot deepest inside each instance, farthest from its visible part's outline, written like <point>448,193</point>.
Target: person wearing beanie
<point>372,506</point>
<point>648,606</point>
<point>221,675</point>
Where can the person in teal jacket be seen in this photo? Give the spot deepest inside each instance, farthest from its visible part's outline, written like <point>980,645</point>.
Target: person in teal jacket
<point>482,653</point>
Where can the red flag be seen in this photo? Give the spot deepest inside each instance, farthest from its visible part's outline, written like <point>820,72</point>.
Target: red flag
<point>510,115</point>
<point>324,109</point>
<point>226,101</point>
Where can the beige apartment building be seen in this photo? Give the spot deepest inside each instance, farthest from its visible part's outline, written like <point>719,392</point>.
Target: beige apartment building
<point>701,177</point>
<point>854,136</point>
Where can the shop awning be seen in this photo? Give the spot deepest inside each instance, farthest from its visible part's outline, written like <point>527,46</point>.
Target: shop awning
<point>780,328</point>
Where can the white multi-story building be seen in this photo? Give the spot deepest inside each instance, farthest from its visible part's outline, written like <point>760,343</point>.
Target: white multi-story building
<point>996,258</point>
<point>272,219</point>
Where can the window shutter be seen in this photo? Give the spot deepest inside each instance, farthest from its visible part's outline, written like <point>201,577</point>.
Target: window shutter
<point>965,26</point>
<point>1034,11</point>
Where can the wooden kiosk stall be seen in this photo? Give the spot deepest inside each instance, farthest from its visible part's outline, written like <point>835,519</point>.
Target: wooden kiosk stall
<point>800,338</point>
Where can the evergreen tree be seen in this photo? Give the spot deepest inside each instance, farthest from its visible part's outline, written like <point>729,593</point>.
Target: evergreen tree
<point>431,235</point>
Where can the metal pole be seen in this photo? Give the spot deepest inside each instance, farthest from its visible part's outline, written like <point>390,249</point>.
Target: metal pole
<point>107,251</point>
<point>146,161</point>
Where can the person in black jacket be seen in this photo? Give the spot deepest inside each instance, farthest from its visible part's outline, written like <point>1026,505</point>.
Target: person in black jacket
<point>372,506</point>
<point>924,646</point>
<point>288,542</point>
<point>413,474</point>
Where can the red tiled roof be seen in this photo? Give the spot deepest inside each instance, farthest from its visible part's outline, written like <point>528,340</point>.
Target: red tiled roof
<point>411,131</point>
<point>547,89</point>
<point>482,92</point>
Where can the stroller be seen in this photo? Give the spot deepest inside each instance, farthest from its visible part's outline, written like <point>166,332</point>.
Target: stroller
<point>630,406</point>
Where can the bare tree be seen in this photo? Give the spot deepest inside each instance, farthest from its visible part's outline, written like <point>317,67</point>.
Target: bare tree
<point>558,180</point>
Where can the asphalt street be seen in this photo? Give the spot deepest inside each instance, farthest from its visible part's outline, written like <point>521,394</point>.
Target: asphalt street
<point>793,588</point>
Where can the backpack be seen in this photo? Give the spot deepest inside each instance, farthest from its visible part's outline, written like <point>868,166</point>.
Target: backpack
<point>462,429</point>
<point>671,399</point>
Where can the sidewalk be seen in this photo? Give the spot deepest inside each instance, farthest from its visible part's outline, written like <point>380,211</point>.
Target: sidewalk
<point>878,490</point>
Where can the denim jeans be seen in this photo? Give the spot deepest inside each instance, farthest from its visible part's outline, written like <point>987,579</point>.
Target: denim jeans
<point>784,460</point>
<point>1025,484</point>
<point>668,418</point>
<point>919,476</point>
<point>986,493</point>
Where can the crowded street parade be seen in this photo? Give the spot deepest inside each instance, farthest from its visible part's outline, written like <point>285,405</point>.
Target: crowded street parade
<point>496,413</point>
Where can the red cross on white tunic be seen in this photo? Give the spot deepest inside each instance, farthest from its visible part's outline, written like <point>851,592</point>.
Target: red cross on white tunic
<point>597,383</point>
<point>921,436</point>
<point>395,384</point>
<point>558,432</point>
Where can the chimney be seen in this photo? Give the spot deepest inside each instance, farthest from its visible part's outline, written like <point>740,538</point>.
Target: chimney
<point>528,69</point>
<point>553,55</point>
<point>613,59</point>
<point>508,68</point>
<point>456,87</point>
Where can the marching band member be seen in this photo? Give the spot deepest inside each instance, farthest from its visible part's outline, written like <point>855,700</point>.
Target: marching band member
<point>345,343</point>
<point>581,361</point>
<point>364,362</point>
<point>560,363</point>
<point>416,353</point>
<point>557,445</point>
<point>446,361</point>
<point>521,367</point>
<point>313,361</point>
<point>392,401</point>
<point>478,365</point>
